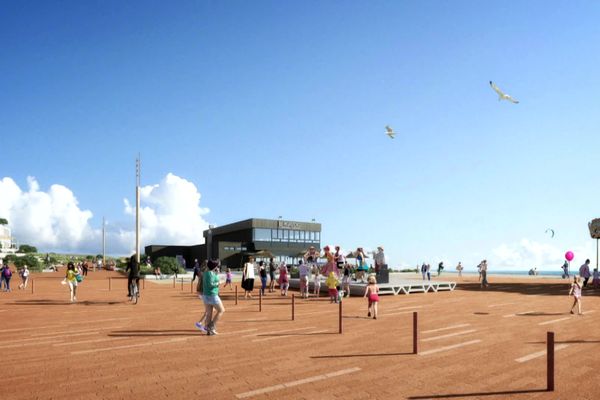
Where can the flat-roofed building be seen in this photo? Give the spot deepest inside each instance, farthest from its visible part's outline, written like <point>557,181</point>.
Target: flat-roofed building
<point>233,243</point>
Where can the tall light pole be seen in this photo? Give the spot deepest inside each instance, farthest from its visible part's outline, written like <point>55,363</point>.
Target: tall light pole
<point>138,167</point>
<point>103,242</point>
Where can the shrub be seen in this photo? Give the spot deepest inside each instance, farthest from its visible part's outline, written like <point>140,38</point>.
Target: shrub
<point>168,265</point>
<point>32,262</point>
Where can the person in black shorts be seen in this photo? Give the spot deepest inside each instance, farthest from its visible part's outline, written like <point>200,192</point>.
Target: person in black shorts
<point>272,269</point>
<point>133,270</point>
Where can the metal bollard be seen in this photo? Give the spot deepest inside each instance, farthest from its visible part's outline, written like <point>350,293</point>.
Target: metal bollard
<point>173,282</point>
<point>341,323</point>
<point>415,333</point>
<point>236,295</point>
<point>32,286</point>
<point>260,301</point>
<point>293,307</point>
<point>550,361</point>
<point>109,283</point>
<point>182,284</point>
<point>144,283</point>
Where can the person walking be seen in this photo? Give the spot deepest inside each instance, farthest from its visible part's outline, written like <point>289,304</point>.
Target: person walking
<point>272,269</point>
<point>210,296</point>
<point>262,272</point>
<point>440,268</point>
<point>372,293</point>
<point>303,273</point>
<point>71,280</point>
<point>346,280</point>
<point>284,279</point>
<point>379,259</point>
<point>197,270</point>
<point>424,270</point>
<point>6,276</point>
<point>584,272</point>
<point>459,268</point>
<point>24,277</point>
<point>575,291</point>
<point>483,272</point>
<point>248,278</point>
<point>428,271</point>
<point>565,268</point>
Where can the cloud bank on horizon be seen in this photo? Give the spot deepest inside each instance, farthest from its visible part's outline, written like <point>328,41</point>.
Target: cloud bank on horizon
<point>170,213</point>
<point>53,221</point>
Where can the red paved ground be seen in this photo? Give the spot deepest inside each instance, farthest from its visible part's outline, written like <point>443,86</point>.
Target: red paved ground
<point>106,348</point>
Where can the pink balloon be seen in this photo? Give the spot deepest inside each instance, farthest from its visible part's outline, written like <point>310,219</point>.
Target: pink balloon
<point>569,256</point>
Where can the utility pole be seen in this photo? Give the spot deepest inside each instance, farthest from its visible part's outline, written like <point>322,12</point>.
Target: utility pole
<point>138,167</point>
<point>103,242</point>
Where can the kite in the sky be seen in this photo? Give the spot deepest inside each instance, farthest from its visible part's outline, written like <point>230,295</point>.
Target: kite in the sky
<point>551,232</point>
<point>501,94</point>
<point>389,131</point>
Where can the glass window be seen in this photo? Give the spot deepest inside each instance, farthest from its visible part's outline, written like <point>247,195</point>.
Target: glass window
<point>261,235</point>
<point>301,236</point>
<point>286,234</point>
<point>311,236</point>
<point>317,236</point>
<point>296,235</point>
<point>274,235</point>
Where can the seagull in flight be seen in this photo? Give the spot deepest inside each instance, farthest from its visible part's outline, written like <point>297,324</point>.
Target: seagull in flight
<point>389,131</point>
<point>501,94</point>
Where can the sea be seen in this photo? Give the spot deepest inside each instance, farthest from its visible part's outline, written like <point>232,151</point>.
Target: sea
<point>517,272</point>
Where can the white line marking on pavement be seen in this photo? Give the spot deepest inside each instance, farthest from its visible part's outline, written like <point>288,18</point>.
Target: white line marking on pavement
<point>399,313</point>
<point>70,333</point>
<point>538,354</point>
<point>91,341</point>
<point>500,305</point>
<point>283,331</point>
<point>403,308</point>
<point>446,328</point>
<point>521,313</point>
<point>554,320</point>
<point>448,335</point>
<point>297,382</point>
<point>287,336</point>
<point>454,346</point>
<point>129,346</point>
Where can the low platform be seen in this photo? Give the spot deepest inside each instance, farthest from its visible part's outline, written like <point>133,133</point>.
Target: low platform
<point>395,286</point>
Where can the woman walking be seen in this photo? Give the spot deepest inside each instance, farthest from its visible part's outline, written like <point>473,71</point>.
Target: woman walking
<point>272,269</point>
<point>6,275</point>
<point>210,296</point>
<point>361,264</point>
<point>262,271</point>
<point>248,278</point>
<point>284,279</point>
<point>71,280</point>
<point>24,277</point>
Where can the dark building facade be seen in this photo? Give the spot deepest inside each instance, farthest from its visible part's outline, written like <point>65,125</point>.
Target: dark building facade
<point>233,243</point>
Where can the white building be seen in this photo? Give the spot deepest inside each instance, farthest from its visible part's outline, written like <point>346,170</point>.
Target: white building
<point>7,242</point>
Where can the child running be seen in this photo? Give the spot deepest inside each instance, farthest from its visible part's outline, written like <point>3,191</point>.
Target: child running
<point>332,284</point>
<point>228,278</point>
<point>576,292</point>
<point>372,292</point>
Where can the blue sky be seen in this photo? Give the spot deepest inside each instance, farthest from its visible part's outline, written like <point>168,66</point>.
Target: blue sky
<point>278,108</point>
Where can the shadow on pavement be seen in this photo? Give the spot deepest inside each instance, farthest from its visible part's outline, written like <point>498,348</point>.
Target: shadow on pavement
<point>503,393</point>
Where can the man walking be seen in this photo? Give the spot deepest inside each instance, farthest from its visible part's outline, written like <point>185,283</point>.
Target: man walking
<point>584,272</point>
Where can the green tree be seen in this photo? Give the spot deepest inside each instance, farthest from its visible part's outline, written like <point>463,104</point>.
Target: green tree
<point>32,262</point>
<point>168,265</point>
<point>3,221</point>
<point>25,248</point>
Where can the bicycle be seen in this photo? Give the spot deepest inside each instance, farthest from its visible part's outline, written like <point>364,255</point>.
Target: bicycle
<point>134,290</point>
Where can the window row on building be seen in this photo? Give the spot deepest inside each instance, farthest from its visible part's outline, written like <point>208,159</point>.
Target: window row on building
<point>285,235</point>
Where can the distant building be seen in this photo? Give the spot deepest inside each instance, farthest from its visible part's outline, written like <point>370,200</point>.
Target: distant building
<point>233,243</point>
<point>8,245</point>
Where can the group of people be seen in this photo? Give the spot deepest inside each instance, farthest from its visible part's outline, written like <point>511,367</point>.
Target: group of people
<point>6,274</point>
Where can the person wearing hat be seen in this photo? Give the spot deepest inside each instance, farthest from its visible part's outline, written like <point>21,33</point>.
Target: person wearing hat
<point>379,259</point>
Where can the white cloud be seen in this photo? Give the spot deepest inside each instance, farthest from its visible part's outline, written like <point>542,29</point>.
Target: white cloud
<point>49,219</point>
<point>529,253</point>
<point>170,213</point>
<point>53,221</point>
